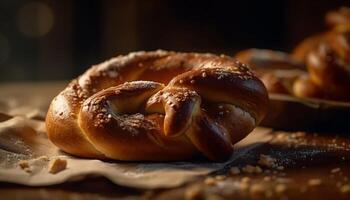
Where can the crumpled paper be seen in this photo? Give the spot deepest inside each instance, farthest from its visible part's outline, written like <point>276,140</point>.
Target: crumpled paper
<point>23,137</point>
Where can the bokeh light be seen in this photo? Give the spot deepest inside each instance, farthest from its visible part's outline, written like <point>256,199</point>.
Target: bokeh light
<point>35,19</point>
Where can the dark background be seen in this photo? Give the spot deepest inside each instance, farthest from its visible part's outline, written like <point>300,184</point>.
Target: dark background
<point>55,40</point>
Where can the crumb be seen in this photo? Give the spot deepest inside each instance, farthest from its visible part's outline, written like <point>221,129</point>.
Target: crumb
<point>24,165</point>
<point>267,161</point>
<point>280,168</point>
<point>315,182</point>
<point>244,183</point>
<point>220,177</point>
<point>252,169</point>
<point>245,179</point>
<point>235,170</point>
<point>57,165</point>
<point>299,134</point>
<point>209,181</point>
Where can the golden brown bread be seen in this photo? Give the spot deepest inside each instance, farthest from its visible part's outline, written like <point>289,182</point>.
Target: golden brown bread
<point>158,106</point>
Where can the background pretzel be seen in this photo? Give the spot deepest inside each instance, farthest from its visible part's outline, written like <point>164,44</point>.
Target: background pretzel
<point>326,57</point>
<point>158,106</point>
<point>329,68</point>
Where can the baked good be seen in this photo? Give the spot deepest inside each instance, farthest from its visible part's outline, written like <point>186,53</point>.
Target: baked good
<point>277,70</point>
<point>326,57</point>
<point>160,105</point>
<point>329,68</point>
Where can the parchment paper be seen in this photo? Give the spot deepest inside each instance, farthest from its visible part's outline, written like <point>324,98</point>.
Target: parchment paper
<point>23,137</point>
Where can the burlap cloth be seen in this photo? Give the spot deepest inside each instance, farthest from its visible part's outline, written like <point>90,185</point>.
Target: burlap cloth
<point>22,137</point>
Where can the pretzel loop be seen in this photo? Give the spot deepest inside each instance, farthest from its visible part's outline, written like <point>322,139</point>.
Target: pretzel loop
<point>158,106</point>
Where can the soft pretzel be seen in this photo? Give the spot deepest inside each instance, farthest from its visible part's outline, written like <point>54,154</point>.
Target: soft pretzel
<point>329,68</point>
<point>326,57</point>
<point>158,106</point>
<point>277,70</point>
<point>336,20</point>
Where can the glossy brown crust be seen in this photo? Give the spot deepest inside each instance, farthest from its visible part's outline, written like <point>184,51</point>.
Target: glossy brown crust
<point>158,106</point>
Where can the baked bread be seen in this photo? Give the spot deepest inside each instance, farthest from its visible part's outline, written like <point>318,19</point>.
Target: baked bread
<point>277,70</point>
<point>153,106</point>
<point>329,68</point>
<point>326,57</point>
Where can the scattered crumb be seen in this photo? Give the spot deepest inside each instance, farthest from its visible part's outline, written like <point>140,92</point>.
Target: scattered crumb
<point>267,161</point>
<point>220,177</point>
<point>315,182</point>
<point>280,168</point>
<point>57,165</point>
<point>24,165</point>
<point>252,169</point>
<point>210,181</point>
<point>299,134</point>
<point>245,179</point>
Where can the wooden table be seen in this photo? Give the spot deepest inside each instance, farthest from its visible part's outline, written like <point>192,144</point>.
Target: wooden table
<point>295,165</point>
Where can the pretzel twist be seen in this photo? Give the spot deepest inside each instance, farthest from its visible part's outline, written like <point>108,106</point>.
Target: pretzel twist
<point>158,106</point>
<point>326,57</point>
<point>328,65</point>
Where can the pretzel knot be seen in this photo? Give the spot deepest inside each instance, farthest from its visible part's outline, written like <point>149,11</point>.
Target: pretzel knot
<point>158,106</point>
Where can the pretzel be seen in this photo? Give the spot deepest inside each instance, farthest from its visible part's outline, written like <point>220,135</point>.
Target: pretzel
<point>154,106</point>
<point>325,55</point>
<point>329,68</point>
<point>277,70</point>
<point>336,20</point>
